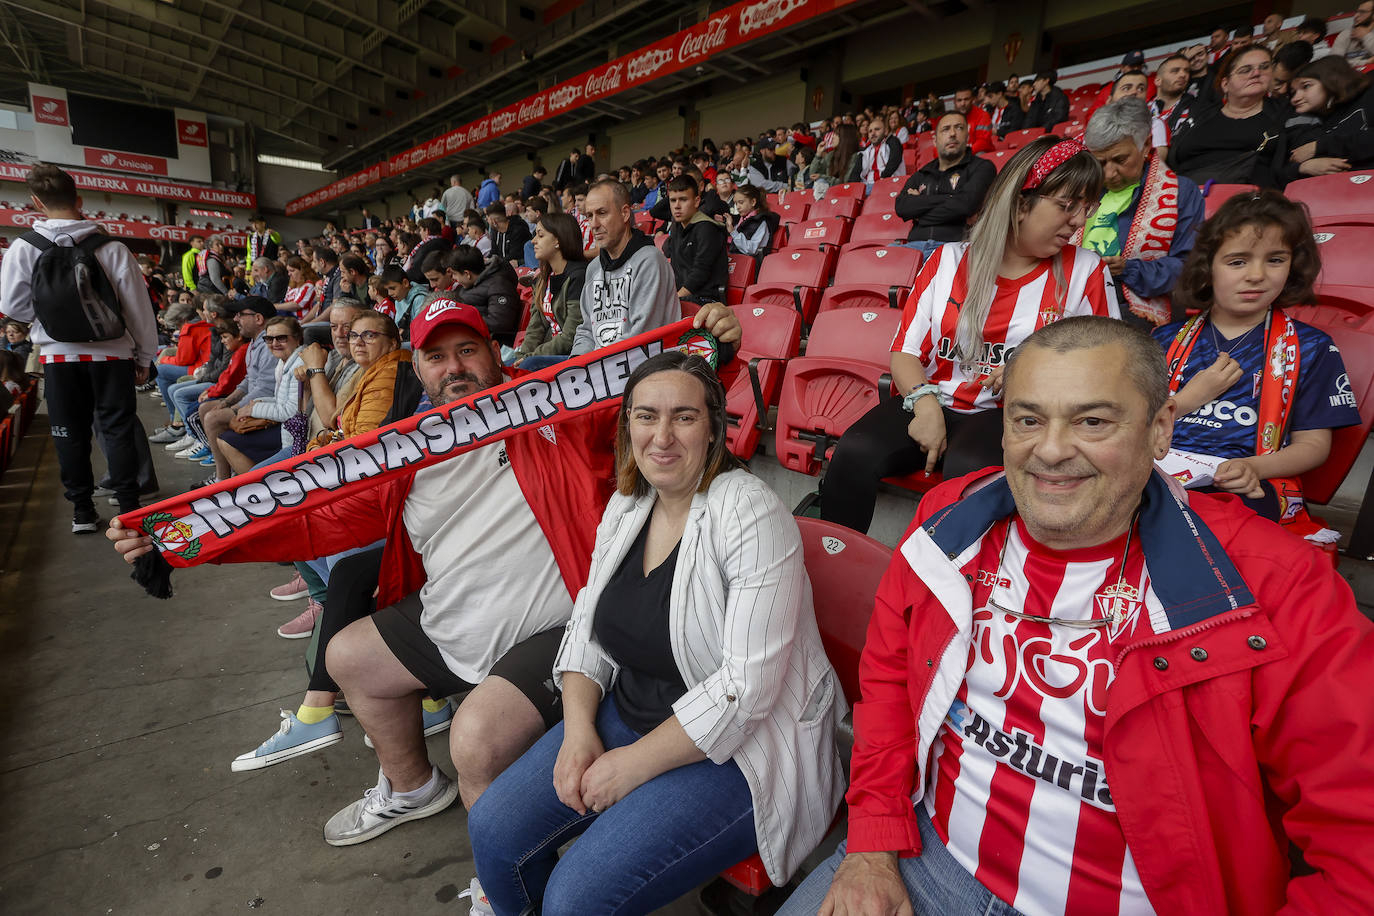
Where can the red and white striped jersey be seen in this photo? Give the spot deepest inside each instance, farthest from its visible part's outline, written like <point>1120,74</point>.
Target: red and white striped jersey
<point>302,297</point>
<point>931,318</point>
<point>1019,792</point>
<point>586,226</point>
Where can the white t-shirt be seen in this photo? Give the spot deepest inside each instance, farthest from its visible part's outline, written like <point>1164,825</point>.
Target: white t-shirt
<point>493,581</point>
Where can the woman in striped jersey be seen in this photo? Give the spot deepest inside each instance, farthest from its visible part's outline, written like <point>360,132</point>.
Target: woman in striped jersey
<point>973,303</point>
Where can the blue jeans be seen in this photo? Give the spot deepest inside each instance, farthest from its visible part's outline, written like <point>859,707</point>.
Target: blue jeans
<point>935,881</point>
<point>166,376</point>
<point>535,363</point>
<point>651,847</point>
<point>273,459</point>
<point>530,260</point>
<point>926,248</point>
<point>183,400</point>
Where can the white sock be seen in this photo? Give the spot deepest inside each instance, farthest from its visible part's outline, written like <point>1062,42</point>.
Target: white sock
<point>426,789</point>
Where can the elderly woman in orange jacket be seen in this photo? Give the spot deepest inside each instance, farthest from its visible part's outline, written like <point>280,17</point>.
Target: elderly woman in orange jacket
<point>375,343</point>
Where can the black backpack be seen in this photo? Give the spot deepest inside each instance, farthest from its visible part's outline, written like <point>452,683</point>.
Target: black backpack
<point>72,298</point>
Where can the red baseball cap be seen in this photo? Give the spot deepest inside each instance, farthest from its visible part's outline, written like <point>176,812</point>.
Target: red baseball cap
<point>440,311</point>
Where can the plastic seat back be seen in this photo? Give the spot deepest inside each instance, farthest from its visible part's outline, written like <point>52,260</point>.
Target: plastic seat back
<point>845,568</point>
<point>794,210</point>
<point>846,207</point>
<point>793,277</point>
<point>771,337</point>
<point>883,198</point>
<point>1016,139</point>
<point>848,189</point>
<point>1218,194</point>
<point>814,233</point>
<point>878,228</point>
<point>1344,280</point>
<point>1341,199</point>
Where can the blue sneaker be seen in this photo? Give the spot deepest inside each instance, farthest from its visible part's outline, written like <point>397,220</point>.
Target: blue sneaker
<point>293,739</point>
<point>434,722</point>
<point>208,461</point>
<point>197,454</point>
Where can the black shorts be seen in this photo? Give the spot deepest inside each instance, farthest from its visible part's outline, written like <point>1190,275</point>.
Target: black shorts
<point>528,665</point>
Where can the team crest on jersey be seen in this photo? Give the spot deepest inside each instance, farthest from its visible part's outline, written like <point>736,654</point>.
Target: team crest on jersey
<point>548,433</point>
<point>1121,605</point>
<point>699,342</point>
<point>172,535</point>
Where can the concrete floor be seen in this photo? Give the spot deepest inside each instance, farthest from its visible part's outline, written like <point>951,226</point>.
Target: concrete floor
<point>119,715</point>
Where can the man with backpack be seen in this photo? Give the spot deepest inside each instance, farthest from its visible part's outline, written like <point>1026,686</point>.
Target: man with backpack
<point>84,296</point>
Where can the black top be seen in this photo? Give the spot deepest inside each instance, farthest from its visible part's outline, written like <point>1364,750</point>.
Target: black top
<point>631,624</point>
<point>945,200</point>
<point>1209,146</point>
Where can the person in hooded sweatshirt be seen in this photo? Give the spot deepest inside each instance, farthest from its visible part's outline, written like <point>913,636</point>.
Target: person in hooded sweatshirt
<point>488,286</point>
<point>696,245</point>
<point>86,383</point>
<point>629,287</point>
<point>508,234</point>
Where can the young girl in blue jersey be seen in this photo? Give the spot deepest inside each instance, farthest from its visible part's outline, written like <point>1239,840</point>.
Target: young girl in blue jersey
<point>1254,387</point>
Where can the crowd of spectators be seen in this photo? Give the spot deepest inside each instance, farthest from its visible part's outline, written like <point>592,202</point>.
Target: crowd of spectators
<point>300,345</point>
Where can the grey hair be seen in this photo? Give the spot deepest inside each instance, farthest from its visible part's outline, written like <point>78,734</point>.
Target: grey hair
<point>1144,362</point>
<point>1116,121</point>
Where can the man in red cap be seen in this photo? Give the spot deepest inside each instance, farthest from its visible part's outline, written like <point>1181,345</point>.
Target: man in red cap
<point>484,555</point>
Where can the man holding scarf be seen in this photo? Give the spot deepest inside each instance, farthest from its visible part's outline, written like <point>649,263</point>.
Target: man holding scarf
<point>485,551</point>
<point>1148,216</point>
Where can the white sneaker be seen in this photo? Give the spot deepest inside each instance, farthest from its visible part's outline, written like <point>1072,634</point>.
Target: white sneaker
<point>181,443</point>
<point>480,905</point>
<point>378,810</point>
<point>189,450</point>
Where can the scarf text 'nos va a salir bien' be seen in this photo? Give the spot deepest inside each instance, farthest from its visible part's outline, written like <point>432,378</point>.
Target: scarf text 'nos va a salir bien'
<point>199,526</point>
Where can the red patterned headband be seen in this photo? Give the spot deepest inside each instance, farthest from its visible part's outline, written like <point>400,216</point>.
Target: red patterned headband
<point>1050,160</point>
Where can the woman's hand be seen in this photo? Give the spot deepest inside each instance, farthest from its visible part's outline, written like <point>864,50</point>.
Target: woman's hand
<point>993,381</point>
<point>1304,152</point>
<point>614,775</point>
<point>1238,476</point>
<point>927,429</point>
<point>1326,165</point>
<point>578,752</point>
<point>130,544</point>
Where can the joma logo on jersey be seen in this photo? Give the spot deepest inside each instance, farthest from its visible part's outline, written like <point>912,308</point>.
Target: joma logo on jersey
<point>992,355</point>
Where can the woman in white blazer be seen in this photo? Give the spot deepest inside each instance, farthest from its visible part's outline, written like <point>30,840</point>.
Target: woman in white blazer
<point>699,707</point>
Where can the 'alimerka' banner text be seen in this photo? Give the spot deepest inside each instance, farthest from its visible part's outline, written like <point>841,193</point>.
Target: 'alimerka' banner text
<point>199,526</point>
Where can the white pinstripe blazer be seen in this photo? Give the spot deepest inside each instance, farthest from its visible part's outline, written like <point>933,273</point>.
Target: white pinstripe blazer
<point>760,690</point>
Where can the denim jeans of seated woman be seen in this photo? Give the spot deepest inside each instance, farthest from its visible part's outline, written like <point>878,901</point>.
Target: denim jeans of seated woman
<point>184,395</point>
<point>535,363</point>
<point>657,843</point>
<point>166,376</point>
<point>935,881</point>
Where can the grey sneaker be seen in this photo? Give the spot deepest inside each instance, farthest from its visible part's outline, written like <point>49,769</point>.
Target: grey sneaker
<point>378,811</point>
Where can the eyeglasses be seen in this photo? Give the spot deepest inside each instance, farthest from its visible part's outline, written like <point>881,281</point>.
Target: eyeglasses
<point>276,338</point>
<point>1249,69</point>
<point>1073,207</point>
<point>364,336</point>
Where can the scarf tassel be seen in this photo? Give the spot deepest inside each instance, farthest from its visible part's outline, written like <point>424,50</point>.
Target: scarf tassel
<point>153,573</point>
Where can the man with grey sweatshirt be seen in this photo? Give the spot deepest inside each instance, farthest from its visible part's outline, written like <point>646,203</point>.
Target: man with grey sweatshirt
<point>629,287</point>
<point>89,383</point>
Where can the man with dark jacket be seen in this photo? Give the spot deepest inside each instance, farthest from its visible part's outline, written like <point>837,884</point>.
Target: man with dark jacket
<point>695,246</point>
<point>532,182</point>
<point>1049,105</point>
<point>1005,112</point>
<point>567,171</point>
<point>489,288</point>
<point>586,166</point>
<point>770,171</point>
<point>508,235</point>
<point>431,239</point>
<point>944,194</point>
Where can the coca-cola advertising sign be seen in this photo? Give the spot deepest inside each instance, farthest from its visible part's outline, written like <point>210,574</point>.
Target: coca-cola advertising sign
<point>50,111</point>
<point>125,162</point>
<point>726,30</point>
<point>163,190</point>
<point>192,133</point>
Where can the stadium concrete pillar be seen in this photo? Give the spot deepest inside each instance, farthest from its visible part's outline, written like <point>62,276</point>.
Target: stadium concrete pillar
<point>1014,45</point>
<point>822,77</point>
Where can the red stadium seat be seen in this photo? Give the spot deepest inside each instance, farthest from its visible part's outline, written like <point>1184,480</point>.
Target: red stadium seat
<point>884,194</point>
<point>848,189</point>
<point>911,158</point>
<point>878,229</point>
<point>794,210</point>
<point>772,197</point>
<point>1218,194</point>
<point>1344,280</point>
<point>742,269</point>
<point>660,240</point>
<point>815,233</point>
<point>1074,128</point>
<point>644,222</point>
<point>793,277</point>
<point>1342,199</point>
<point>1018,138</point>
<point>846,207</point>
<point>872,278</point>
<point>771,336</point>
<point>999,158</point>
<point>834,384</point>
<point>845,568</point>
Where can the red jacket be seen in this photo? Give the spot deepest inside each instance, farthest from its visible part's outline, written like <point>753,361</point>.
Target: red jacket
<point>193,345</point>
<point>233,373</point>
<point>567,479</point>
<point>980,132</point>
<point>1217,760</point>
